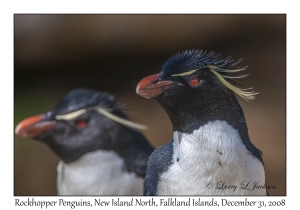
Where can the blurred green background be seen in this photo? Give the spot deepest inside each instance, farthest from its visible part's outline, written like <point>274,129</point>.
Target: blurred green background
<point>54,54</point>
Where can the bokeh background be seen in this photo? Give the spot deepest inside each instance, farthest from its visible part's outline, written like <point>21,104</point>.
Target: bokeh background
<point>54,54</point>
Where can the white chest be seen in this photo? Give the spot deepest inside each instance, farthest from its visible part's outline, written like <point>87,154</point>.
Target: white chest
<point>212,161</point>
<point>97,173</point>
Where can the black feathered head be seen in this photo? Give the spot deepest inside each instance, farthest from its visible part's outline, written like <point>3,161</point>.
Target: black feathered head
<point>190,63</point>
<point>83,121</point>
<point>82,99</point>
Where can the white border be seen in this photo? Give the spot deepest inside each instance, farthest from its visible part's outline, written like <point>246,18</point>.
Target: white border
<point>8,8</point>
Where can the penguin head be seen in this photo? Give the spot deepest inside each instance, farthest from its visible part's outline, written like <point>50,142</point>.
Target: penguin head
<point>194,80</point>
<point>83,121</point>
<point>206,74</point>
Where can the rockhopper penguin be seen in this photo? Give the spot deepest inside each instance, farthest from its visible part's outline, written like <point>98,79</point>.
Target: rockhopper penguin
<point>101,151</point>
<point>210,152</point>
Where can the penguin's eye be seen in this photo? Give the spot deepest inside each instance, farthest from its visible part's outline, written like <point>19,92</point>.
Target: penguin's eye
<point>194,82</point>
<point>80,124</point>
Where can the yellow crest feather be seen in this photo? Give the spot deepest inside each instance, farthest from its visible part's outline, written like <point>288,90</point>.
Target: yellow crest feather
<point>185,73</point>
<point>243,93</point>
<point>71,115</point>
<point>107,113</point>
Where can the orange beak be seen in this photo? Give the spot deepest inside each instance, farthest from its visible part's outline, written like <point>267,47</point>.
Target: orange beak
<point>150,87</point>
<point>34,126</point>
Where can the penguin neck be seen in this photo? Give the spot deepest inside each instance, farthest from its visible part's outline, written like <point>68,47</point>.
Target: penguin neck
<point>189,116</point>
<point>121,140</point>
<point>134,149</point>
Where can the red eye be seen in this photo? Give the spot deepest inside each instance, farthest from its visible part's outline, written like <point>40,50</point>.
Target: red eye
<point>194,82</point>
<point>80,124</point>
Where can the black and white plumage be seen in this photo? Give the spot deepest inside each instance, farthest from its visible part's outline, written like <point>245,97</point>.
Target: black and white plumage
<point>102,152</point>
<point>210,151</point>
